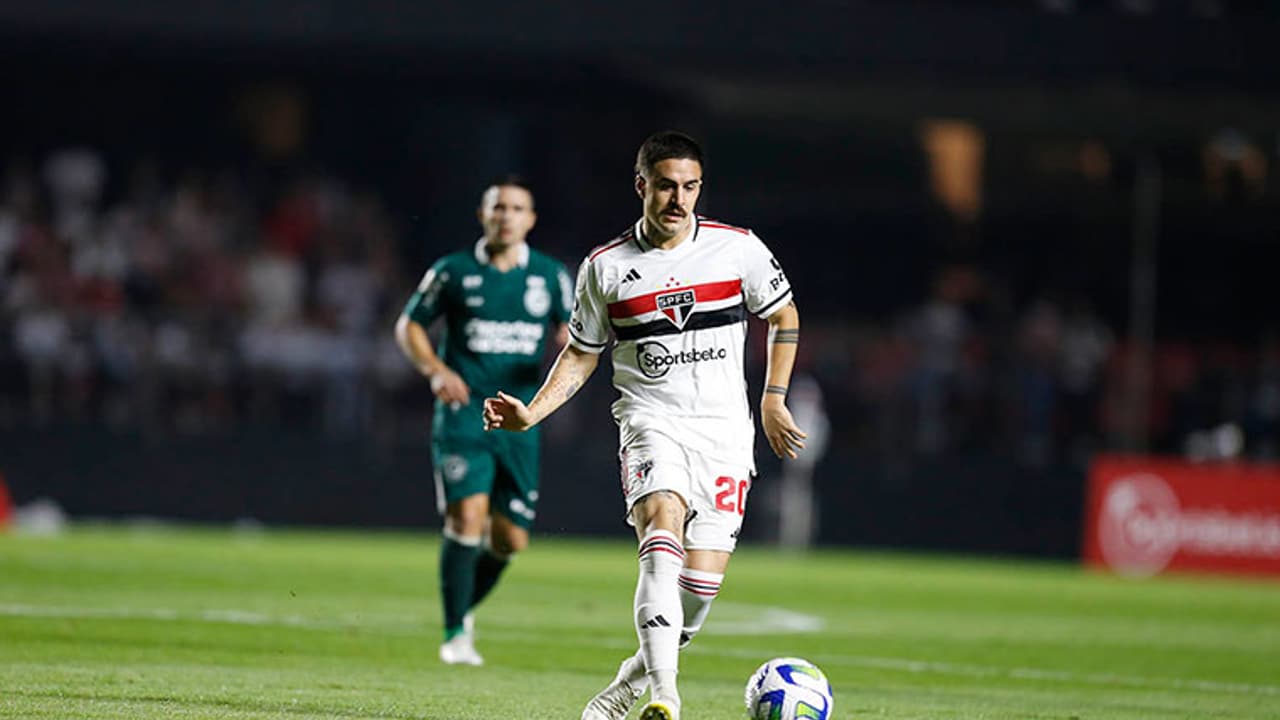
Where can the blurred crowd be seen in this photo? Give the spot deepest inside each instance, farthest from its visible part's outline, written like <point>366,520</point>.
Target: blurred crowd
<point>192,302</point>
<point>201,301</point>
<point>1045,381</point>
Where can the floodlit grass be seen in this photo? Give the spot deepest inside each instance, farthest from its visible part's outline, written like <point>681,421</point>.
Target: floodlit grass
<point>106,622</point>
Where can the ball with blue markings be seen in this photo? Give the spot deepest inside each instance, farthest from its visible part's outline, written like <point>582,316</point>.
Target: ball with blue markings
<point>788,689</point>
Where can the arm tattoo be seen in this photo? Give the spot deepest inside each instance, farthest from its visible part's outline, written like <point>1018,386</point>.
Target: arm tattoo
<point>779,336</point>
<point>573,388</point>
<point>775,390</point>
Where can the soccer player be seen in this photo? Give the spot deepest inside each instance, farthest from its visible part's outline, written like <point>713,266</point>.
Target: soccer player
<point>674,291</point>
<point>497,299</point>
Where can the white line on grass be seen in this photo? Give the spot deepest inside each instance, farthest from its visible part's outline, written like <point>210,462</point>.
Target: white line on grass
<point>749,619</point>
<point>234,617</point>
<point>755,620</point>
<point>784,622</point>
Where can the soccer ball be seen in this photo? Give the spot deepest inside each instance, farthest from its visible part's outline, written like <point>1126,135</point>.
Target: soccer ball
<point>788,689</point>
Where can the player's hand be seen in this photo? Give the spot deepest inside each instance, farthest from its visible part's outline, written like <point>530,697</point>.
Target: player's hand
<point>506,412</point>
<point>449,387</point>
<point>784,437</point>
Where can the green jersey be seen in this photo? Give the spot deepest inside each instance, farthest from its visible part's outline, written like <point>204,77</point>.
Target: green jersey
<point>496,326</point>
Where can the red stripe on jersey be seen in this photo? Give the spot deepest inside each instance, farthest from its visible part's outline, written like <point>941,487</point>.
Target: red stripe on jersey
<point>706,292</point>
<point>620,241</point>
<point>706,222</point>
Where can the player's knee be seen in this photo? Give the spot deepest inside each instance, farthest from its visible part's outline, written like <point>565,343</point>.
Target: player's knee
<point>509,542</point>
<point>468,517</point>
<point>661,510</point>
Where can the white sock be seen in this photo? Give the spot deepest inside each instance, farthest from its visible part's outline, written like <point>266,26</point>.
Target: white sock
<point>698,588</point>
<point>658,612</point>
<point>662,684</point>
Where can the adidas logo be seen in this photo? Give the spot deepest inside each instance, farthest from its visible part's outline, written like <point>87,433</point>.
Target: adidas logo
<point>631,276</point>
<point>656,621</point>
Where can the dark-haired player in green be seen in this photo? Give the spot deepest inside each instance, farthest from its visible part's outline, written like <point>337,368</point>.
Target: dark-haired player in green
<point>499,300</point>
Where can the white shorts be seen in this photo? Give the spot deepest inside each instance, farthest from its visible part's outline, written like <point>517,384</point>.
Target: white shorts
<point>714,491</point>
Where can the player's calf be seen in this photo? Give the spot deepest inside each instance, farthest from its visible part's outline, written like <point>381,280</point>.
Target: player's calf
<point>658,611</point>
<point>698,589</point>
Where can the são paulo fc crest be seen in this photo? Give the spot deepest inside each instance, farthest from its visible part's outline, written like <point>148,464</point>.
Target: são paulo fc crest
<point>677,306</point>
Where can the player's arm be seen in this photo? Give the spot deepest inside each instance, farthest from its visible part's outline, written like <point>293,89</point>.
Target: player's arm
<point>447,385</point>
<point>784,339</point>
<point>567,376</point>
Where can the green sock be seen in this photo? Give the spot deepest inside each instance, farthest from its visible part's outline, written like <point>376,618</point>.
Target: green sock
<point>489,568</point>
<point>457,582</point>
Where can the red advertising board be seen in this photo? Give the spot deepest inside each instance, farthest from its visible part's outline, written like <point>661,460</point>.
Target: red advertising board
<point>1146,515</point>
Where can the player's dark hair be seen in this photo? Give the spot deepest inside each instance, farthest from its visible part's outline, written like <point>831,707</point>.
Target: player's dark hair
<point>510,180</point>
<point>667,145</point>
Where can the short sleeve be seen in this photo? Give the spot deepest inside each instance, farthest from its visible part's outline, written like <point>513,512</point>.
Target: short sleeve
<point>589,321</point>
<point>562,308</point>
<point>426,303</point>
<point>764,284</point>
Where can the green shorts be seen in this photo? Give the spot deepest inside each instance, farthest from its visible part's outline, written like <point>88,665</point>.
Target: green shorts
<point>503,466</point>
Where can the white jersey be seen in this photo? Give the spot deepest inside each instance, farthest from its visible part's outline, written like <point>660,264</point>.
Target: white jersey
<point>679,322</point>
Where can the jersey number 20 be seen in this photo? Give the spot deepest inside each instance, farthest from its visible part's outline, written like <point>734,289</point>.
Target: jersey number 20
<point>726,500</point>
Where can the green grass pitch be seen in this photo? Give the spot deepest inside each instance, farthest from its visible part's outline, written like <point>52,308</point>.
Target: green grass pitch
<point>112,622</point>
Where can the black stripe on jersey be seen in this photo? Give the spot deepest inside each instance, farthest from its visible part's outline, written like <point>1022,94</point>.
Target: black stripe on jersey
<point>769,305</point>
<point>584,342</point>
<point>697,321</point>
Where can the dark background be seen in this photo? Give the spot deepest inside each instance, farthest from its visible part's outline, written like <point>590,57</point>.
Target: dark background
<point>1020,233</point>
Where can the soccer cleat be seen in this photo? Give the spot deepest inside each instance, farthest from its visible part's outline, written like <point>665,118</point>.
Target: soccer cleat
<point>460,650</point>
<point>659,710</point>
<point>618,697</point>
